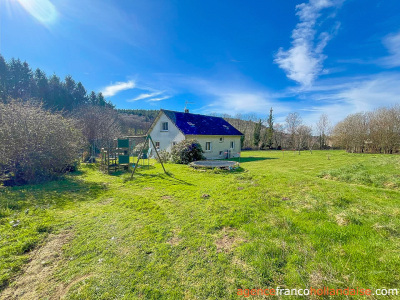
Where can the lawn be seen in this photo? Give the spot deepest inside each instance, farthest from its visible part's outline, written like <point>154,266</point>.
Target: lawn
<point>326,218</point>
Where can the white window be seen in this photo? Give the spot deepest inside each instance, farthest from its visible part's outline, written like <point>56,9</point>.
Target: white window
<point>208,146</point>
<point>232,145</point>
<point>221,139</point>
<point>164,126</point>
<point>157,145</point>
<point>174,143</point>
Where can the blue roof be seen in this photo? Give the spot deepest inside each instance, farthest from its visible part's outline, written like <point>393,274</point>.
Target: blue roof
<point>200,125</point>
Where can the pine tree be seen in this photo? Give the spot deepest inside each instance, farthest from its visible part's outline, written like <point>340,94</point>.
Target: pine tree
<point>270,130</point>
<point>69,88</point>
<point>42,86</point>
<point>100,100</point>
<point>17,81</point>
<point>3,79</point>
<point>80,94</point>
<point>56,97</point>
<point>93,98</point>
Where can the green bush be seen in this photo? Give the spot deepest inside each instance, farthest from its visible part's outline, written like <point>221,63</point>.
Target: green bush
<point>186,151</point>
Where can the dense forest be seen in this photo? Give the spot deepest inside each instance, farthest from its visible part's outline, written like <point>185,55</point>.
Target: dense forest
<point>18,81</point>
<point>136,121</point>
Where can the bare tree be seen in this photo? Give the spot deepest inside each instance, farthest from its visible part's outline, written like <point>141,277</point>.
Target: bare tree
<point>100,125</point>
<point>278,136</point>
<point>304,137</point>
<point>293,121</point>
<point>384,130</point>
<point>323,129</point>
<point>352,133</point>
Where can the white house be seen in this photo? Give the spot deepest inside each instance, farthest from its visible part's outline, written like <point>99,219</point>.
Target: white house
<point>218,138</point>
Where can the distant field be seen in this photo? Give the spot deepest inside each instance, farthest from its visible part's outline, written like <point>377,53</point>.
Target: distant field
<point>323,219</point>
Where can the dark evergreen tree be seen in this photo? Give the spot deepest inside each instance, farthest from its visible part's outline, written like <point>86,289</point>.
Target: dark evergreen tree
<point>42,86</point>
<point>80,94</point>
<point>69,88</point>
<point>20,80</point>
<point>100,100</point>
<point>56,95</point>
<point>270,130</point>
<point>17,81</point>
<point>93,98</point>
<point>3,79</point>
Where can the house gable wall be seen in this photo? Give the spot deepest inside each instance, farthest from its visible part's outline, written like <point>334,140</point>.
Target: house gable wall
<point>165,138</point>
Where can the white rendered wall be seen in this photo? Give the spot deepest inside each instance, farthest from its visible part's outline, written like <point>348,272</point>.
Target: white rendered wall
<point>166,138</point>
<point>217,146</point>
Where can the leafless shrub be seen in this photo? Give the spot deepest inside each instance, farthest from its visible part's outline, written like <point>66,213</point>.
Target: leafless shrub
<point>293,121</point>
<point>35,144</point>
<point>377,131</point>
<point>100,126</point>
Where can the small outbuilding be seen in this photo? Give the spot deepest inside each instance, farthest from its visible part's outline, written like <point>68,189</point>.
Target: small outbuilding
<point>218,138</point>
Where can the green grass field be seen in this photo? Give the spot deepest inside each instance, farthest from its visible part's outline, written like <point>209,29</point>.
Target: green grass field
<point>290,220</point>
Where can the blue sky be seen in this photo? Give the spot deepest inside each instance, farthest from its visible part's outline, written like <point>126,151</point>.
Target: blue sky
<point>319,56</point>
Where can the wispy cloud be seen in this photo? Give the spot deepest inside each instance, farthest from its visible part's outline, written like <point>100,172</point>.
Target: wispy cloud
<point>347,95</point>
<point>117,87</point>
<point>158,99</point>
<point>303,62</point>
<point>392,43</point>
<point>228,96</point>
<point>144,96</point>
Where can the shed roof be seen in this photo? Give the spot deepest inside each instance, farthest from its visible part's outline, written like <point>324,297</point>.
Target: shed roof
<point>194,124</point>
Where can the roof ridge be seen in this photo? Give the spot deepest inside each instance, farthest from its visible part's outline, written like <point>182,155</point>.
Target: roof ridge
<point>182,112</point>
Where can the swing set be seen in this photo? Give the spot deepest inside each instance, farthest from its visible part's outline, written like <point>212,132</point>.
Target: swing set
<point>118,157</point>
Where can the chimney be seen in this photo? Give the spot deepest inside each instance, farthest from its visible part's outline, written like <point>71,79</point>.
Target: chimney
<point>186,110</point>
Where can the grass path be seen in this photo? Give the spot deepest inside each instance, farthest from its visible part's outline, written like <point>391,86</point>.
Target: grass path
<point>285,219</point>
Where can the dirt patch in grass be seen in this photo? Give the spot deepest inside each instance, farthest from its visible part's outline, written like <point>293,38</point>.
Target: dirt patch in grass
<point>37,277</point>
<point>174,241</point>
<point>107,201</point>
<point>229,240</point>
<point>341,220</point>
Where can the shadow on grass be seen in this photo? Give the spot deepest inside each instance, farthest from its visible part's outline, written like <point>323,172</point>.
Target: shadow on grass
<point>52,194</point>
<point>162,176</point>
<point>250,159</point>
<point>129,171</point>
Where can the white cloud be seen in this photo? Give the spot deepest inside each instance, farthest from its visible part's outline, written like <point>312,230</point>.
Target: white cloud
<point>303,62</point>
<point>117,87</point>
<point>144,96</point>
<point>380,90</point>
<point>392,43</point>
<point>340,97</point>
<point>158,99</point>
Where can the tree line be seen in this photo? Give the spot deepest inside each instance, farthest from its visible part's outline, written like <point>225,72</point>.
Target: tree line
<point>18,81</point>
<point>377,131</point>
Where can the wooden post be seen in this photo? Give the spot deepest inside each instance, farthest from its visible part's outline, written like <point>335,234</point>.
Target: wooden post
<point>149,137</point>
<point>138,159</point>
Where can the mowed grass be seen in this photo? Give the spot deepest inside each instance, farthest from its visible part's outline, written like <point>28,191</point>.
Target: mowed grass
<point>284,219</point>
